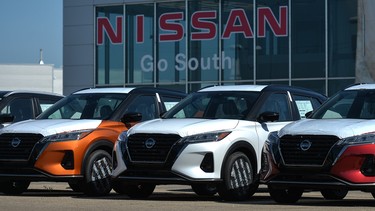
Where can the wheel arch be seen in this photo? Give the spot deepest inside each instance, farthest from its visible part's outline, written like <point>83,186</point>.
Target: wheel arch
<point>105,145</point>
<point>246,148</point>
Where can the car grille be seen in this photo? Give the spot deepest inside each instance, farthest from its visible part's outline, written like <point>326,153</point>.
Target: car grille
<point>294,153</point>
<point>150,147</point>
<point>17,146</point>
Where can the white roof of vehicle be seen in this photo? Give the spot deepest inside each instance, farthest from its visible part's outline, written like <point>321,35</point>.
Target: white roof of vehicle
<point>256,88</point>
<point>361,86</point>
<point>10,92</point>
<point>105,90</point>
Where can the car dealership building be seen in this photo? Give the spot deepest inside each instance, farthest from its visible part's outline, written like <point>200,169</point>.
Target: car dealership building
<point>187,45</point>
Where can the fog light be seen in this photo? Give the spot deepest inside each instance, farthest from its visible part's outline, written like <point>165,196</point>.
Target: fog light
<point>368,166</point>
<point>207,164</point>
<point>68,160</point>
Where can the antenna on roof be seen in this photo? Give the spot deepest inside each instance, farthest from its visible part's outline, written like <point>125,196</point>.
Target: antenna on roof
<point>41,57</point>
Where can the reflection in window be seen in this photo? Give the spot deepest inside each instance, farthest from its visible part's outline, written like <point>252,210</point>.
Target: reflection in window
<point>272,48</point>
<point>109,55</point>
<point>308,38</point>
<point>139,41</point>
<point>342,37</point>
<point>237,45</point>
<point>203,51</point>
<point>171,56</point>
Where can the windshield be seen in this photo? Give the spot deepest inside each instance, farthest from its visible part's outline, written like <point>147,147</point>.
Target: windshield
<point>351,104</point>
<point>85,106</point>
<point>214,105</point>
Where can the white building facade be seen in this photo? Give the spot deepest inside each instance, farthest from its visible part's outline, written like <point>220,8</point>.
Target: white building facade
<point>36,77</point>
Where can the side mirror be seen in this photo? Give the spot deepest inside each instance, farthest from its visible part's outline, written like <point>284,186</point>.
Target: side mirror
<point>268,116</point>
<point>308,114</point>
<point>6,118</point>
<point>132,117</point>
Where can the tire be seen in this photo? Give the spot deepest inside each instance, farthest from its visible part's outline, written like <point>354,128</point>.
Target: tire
<point>286,195</point>
<point>331,194</point>
<point>238,178</point>
<point>373,194</point>
<point>137,191</point>
<point>97,175</point>
<point>204,189</point>
<point>76,186</point>
<point>14,187</point>
<point>120,187</point>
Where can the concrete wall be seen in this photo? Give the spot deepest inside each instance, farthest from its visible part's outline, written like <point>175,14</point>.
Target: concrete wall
<point>78,45</point>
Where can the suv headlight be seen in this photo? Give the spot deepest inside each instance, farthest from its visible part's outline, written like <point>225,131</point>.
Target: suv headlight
<point>273,138</point>
<point>361,139</point>
<point>205,137</point>
<point>122,137</point>
<point>67,136</point>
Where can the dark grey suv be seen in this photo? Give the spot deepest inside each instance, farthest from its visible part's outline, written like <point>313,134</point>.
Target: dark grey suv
<point>16,106</point>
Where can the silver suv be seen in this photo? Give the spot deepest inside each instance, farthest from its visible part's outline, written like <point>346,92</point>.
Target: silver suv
<point>333,151</point>
<point>211,140</point>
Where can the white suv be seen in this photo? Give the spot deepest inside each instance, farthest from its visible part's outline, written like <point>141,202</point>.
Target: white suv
<point>211,140</point>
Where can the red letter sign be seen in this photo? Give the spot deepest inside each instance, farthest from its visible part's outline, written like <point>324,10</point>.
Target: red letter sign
<point>243,26</point>
<point>104,25</point>
<point>279,29</point>
<point>140,30</point>
<point>208,28</point>
<point>167,24</point>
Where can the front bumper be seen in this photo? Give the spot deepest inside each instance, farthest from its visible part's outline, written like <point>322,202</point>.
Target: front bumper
<point>353,168</point>
<point>55,161</point>
<point>185,164</point>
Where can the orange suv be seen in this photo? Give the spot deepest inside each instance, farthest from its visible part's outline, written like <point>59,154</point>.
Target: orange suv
<point>72,140</point>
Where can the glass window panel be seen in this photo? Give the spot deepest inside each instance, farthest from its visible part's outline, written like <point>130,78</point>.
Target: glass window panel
<point>139,43</point>
<point>337,85</point>
<point>308,38</point>
<point>179,87</point>
<point>110,52</point>
<point>144,104</point>
<point>203,51</point>
<point>277,102</point>
<point>316,85</point>
<point>272,46</point>
<point>171,45</point>
<point>237,33</point>
<point>342,37</point>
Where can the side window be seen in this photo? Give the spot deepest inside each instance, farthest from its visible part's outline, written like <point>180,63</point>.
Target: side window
<point>278,102</point>
<point>20,108</point>
<point>305,104</point>
<point>170,101</point>
<point>144,104</point>
<point>45,103</point>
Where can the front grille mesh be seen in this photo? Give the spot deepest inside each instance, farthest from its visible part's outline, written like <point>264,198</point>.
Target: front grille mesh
<point>292,153</point>
<point>9,151</point>
<point>138,151</point>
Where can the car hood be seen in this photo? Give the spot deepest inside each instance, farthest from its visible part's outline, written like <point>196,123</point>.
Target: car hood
<point>183,127</point>
<point>50,126</point>
<point>341,128</point>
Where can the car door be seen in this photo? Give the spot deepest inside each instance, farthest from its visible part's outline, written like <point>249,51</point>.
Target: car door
<point>21,108</point>
<point>44,102</point>
<point>279,102</point>
<point>145,104</point>
<point>168,101</point>
<point>305,104</point>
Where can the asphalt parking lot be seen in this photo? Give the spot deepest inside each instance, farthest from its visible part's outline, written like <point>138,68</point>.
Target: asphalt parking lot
<point>58,196</point>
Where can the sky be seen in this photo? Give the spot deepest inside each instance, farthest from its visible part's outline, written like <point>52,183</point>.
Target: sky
<point>26,26</point>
